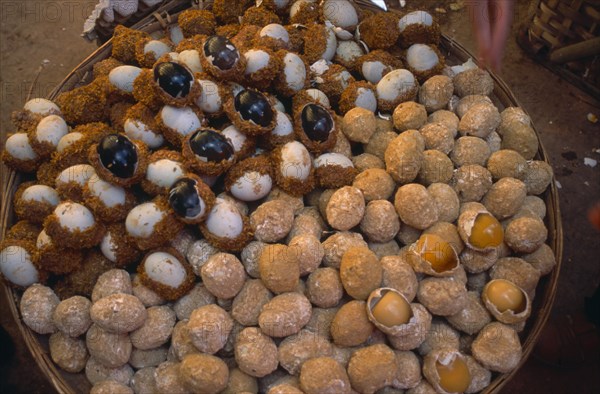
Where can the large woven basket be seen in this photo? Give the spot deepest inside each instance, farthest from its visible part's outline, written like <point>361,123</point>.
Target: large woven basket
<point>455,53</point>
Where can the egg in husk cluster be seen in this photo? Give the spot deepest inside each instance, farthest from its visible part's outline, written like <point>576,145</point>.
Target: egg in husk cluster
<point>297,196</point>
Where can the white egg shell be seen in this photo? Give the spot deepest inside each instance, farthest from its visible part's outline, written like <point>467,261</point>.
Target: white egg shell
<point>224,219</point>
<point>173,56</point>
<point>210,100</point>
<point>138,130</point>
<point>296,6</point>
<point>333,159</point>
<point>295,161</point>
<point>107,247</point>
<point>141,219</point>
<point>395,83</point>
<point>122,77</point>
<point>17,145</point>
<point>373,71</point>
<point>41,193</point>
<point>252,186</point>
<point>51,129</point>
<point>284,125</point>
<point>164,172</point>
<point>41,106</point>
<point>191,58</point>
<point>344,78</point>
<point>366,99</point>
<point>415,17</point>
<point>43,240</point>
<point>17,267</point>
<point>234,136</point>
<point>278,105</point>
<point>68,140</point>
<point>158,48</point>
<point>342,34</point>
<point>331,45</point>
<point>175,34</point>
<point>349,51</point>
<point>256,59</point>
<point>165,269</point>
<point>241,206</point>
<point>183,120</point>
<point>275,30</point>
<point>79,173</point>
<point>295,71</point>
<point>110,195</point>
<point>421,57</point>
<point>341,13</point>
<point>319,96</point>
<point>73,216</point>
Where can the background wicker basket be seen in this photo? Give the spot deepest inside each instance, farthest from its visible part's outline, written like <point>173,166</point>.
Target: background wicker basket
<point>158,22</point>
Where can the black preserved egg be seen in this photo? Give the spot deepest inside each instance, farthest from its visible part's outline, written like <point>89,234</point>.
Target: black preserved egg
<point>173,78</point>
<point>184,198</point>
<point>118,155</point>
<point>317,123</point>
<point>211,146</point>
<point>221,52</point>
<point>254,106</point>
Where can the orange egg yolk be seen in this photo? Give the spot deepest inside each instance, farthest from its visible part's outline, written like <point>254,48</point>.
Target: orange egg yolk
<point>392,310</point>
<point>454,377</point>
<point>486,232</point>
<point>437,252</point>
<point>505,296</point>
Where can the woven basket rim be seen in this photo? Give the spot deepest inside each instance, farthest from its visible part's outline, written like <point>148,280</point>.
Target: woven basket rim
<point>502,94</point>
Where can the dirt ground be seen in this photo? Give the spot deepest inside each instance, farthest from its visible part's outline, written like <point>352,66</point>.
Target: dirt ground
<point>45,34</point>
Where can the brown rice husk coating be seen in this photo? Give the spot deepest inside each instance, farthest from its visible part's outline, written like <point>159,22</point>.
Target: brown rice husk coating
<point>308,13</point>
<point>152,188</point>
<point>23,230</point>
<point>144,90</point>
<point>205,194</point>
<point>228,11</point>
<point>43,149</point>
<point>389,106</point>
<point>280,83</point>
<point>124,41</point>
<point>263,78</point>
<point>302,98</point>
<point>423,76</point>
<point>223,91</point>
<point>167,292</point>
<point>230,244</point>
<point>228,30</point>
<point>33,211</point>
<point>380,31</point>
<point>29,246</point>
<point>192,163</point>
<point>418,33</point>
<point>244,39</point>
<point>293,186</point>
<point>85,104</point>
<point>236,73</point>
<point>193,21</point>
<point>76,239</point>
<point>82,281</point>
<point>392,62</point>
<point>331,84</point>
<point>246,127</point>
<point>142,113</point>
<point>350,94</point>
<point>259,16</point>
<point>333,176</point>
<point>77,153</point>
<point>260,164</point>
<point>118,112</point>
<point>147,60</point>
<point>167,99</point>
<point>194,42</point>
<point>20,165</point>
<point>125,249</point>
<point>173,136</point>
<point>104,213</point>
<point>59,260</point>
<point>70,191</point>
<point>315,146</point>
<point>106,175</point>
<point>296,41</point>
<point>315,42</point>
<point>104,67</point>
<point>47,172</point>
<point>271,43</point>
<point>26,120</point>
<point>164,231</point>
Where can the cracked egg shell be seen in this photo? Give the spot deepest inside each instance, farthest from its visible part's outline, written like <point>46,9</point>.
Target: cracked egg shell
<point>250,179</point>
<point>341,13</point>
<point>34,202</point>
<point>191,199</point>
<point>320,42</point>
<point>174,84</point>
<point>379,31</point>
<point>506,301</point>
<point>486,236</point>
<point>262,67</point>
<point>55,258</point>
<point>177,123</point>
<point>447,371</point>
<point>334,170</point>
<point>70,182</point>
<point>148,51</point>
<point>191,59</point>
<point>432,255</point>
<point>347,54</point>
<point>18,263</point>
<point>212,97</point>
<point>226,227</point>
<point>332,79</point>
<point>140,125</point>
<point>273,36</point>
<point>294,74</point>
<point>418,27</point>
<point>376,64</point>
<point>396,87</point>
<point>358,94</point>
<point>121,79</point>
<point>208,152</point>
<point>164,167</point>
<point>75,226</point>
<point>108,202</point>
<point>424,61</point>
<point>220,58</point>
<point>119,160</point>
<point>19,155</point>
<point>282,133</point>
<point>315,127</point>
<point>118,246</point>
<point>166,272</point>
<point>243,146</point>
<point>44,138</point>
<point>251,112</point>
<point>152,224</point>
<point>292,166</point>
